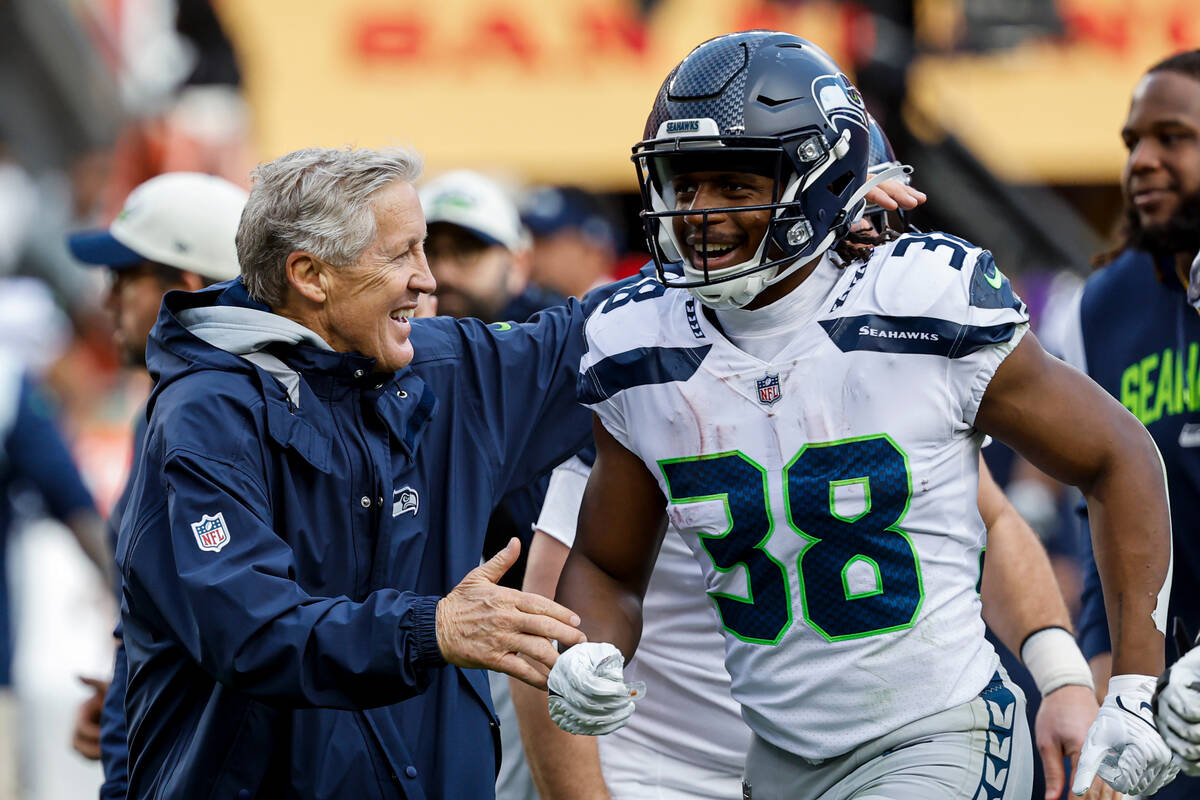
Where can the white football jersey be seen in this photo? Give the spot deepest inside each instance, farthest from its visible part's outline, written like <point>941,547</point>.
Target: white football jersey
<point>829,495</point>
<point>687,712</point>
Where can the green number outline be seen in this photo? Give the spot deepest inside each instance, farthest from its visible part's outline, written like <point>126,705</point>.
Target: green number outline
<point>724,498</point>
<point>812,540</point>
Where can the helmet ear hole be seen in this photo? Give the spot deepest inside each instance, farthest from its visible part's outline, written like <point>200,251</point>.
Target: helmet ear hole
<point>839,184</point>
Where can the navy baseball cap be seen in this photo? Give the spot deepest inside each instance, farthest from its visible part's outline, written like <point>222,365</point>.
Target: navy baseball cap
<point>100,248</point>
<point>550,209</point>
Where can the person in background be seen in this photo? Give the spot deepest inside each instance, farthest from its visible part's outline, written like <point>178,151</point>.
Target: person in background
<point>575,244</point>
<point>478,251</point>
<point>34,461</point>
<point>175,232</point>
<point>1138,336</point>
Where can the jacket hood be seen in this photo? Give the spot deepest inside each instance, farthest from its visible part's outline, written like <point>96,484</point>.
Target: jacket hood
<point>221,328</point>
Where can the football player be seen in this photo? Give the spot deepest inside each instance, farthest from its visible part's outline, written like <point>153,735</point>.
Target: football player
<point>688,739</point>
<point>806,408</point>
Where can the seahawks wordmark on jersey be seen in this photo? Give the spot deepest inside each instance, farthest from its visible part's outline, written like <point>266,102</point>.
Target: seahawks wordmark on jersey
<point>829,495</point>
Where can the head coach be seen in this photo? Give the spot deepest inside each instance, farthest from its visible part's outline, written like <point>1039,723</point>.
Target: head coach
<point>304,609</point>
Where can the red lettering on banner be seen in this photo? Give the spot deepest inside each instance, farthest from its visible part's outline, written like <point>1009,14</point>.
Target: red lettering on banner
<point>613,31</point>
<point>1179,30</point>
<point>503,36</point>
<point>398,38</point>
<point>1088,25</point>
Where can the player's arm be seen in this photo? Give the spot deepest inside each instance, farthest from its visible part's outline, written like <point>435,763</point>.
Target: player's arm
<point>1071,429</point>
<point>1023,605</point>
<point>621,525</point>
<point>564,766</point>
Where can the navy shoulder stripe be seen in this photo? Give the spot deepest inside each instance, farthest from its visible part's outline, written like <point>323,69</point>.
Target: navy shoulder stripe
<point>918,335</point>
<point>642,366</point>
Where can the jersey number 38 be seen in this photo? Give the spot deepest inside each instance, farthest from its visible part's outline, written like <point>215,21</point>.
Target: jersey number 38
<point>835,545</point>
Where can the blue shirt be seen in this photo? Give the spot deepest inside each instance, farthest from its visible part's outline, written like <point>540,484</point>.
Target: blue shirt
<point>283,555</point>
<point>35,458</point>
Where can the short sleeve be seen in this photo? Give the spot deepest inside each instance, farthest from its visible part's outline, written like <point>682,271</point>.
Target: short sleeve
<point>560,512</point>
<point>995,322</point>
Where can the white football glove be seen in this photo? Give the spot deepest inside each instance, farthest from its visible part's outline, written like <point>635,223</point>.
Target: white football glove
<point>1123,747</point>
<point>588,694</point>
<point>1177,710</point>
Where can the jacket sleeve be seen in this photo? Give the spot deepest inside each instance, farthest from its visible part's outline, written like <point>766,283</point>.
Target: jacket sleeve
<point>525,376</point>
<point>206,569</point>
<point>114,748</point>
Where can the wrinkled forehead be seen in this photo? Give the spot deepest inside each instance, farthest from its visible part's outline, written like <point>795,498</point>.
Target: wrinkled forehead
<point>1165,97</point>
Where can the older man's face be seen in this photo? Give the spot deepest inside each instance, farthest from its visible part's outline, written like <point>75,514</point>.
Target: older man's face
<point>368,305</point>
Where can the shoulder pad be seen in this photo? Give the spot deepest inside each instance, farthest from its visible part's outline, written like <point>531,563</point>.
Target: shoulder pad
<point>936,275</point>
<point>644,334</point>
<point>929,293</point>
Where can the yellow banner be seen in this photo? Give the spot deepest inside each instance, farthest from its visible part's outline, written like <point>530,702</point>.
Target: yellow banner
<point>559,91</point>
<point>549,91</point>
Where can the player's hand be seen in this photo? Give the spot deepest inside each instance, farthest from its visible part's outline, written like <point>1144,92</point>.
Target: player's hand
<point>895,194</point>
<point>1062,723</point>
<point>588,693</point>
<point>85,739</point>
<point>1123,747</point>
<point>484,626</point>
<point>1177,710</point>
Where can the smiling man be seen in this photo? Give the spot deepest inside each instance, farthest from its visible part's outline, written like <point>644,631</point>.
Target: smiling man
<point>806,406</point>
<point>1139,337</point>
<point>304,610</point>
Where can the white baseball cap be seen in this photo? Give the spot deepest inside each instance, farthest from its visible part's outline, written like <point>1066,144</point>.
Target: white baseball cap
<point>185,220</point>
<point>476,203</point>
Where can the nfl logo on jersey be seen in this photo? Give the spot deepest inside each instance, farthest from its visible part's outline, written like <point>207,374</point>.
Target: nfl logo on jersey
<point>768,389</point>
<point>211,533</point>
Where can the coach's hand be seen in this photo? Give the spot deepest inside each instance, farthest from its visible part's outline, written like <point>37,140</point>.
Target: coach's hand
<point>1123,747</point>
<point>484,626</point>
<point>588,692</point>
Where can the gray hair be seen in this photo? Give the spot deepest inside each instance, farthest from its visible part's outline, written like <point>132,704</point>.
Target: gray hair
<point>317,201</point>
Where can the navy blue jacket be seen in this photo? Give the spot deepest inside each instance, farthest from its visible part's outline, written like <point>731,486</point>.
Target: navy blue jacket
<point>1142,344</point>
<point>114,752</point>
<point>287,542</point>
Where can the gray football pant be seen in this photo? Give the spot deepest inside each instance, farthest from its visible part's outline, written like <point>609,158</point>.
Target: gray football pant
<point>980,750</point>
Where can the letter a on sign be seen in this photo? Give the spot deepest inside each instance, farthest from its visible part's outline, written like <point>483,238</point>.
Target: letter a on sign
<point>211,532</point>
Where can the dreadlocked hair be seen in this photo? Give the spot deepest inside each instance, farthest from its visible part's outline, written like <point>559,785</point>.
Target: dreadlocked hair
<point>858,246</point>
<point>1187,64</point>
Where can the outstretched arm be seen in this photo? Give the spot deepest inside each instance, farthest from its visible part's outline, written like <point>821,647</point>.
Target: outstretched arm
<point>1071,429</point>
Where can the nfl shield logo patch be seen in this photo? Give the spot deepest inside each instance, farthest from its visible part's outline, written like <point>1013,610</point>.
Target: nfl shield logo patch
<point>768,389</point>
<point>211,532</point>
